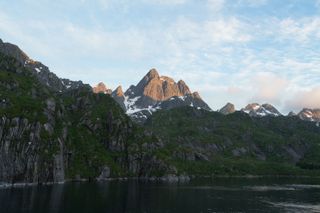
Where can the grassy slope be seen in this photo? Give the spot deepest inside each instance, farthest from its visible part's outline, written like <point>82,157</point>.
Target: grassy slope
<point>184,126</point>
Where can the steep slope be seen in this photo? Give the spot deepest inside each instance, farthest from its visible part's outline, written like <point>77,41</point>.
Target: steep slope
<point>203,142</point>
<point>47,135</point>
<point>155,92</point>
<point>40,71</point>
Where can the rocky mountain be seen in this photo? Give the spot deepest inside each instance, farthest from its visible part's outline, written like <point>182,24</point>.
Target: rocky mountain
<point>119,97</point>
<point>291,114</point>
<point>53,130</point>
<point>310,115</point>
<point>52,136</point>
<point>155,92</point>
<point>257,110</point>
<point>101,88</point>
<point>40,71</point>
<point>227,109</point>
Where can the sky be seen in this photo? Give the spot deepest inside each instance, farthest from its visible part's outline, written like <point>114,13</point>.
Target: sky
<point>238,51</point>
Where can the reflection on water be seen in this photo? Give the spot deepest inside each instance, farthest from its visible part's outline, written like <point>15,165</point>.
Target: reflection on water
<point>292,207</point>
<point>201,195</point>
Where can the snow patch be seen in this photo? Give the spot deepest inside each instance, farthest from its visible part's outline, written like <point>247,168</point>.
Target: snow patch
<point>256,107</point>
<point>182,98</point>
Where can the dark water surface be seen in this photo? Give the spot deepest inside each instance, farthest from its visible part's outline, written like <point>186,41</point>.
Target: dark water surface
<point>201,195</point>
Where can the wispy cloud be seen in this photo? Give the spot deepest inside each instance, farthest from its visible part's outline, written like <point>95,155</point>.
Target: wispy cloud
<point>216,5</point>
<point>305,99</point>
<point>302,30</point>
<point>230,56</point>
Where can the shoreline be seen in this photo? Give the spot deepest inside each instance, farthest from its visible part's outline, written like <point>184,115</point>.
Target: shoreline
<point>164,179</point>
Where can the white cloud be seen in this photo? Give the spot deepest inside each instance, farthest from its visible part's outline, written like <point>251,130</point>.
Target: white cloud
<point>305,99</point>
<point>300,30</point>
<point>129,44</point>
<point>216,5</point>
<point>213,55</point>
<point>231,30</point>
<point>268,87</point>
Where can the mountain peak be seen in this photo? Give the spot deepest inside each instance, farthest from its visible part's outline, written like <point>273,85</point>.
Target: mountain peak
<point>229,108</point>
<point>257,110</point>
<point>155,92</point>
<point>14,51</point>
<point>183,88</point>
<point>310,114</point>
<point>101,88</point>
<point>158,88</point>
<point>292,114</point>
<point>153,73</point>
<point>118,92</point>
<point>196,95</point>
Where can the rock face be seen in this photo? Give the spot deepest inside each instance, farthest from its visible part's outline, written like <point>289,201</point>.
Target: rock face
<point>310,115</point>
<point>119,97</point>
<point>54,129</point>
<point>40,71</point>
<point>257,110</point>
<point>261,139</point>
<point>227,109</point>
<point>47,135</point>
<point>158,88</point>
<point>156,92</point>
<point>101,88</point>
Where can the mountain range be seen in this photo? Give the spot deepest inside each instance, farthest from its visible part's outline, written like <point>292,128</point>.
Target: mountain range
<point>155,92</point>
<point>152,93</point>
<point>54,130</point>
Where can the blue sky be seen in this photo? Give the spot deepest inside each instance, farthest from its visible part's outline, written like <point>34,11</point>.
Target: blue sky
<point>238,51</point>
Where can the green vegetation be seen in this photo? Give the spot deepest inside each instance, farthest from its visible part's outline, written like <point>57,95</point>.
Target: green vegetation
<point>209,143</point>
<point>94,132</point>
<point>17,91</point>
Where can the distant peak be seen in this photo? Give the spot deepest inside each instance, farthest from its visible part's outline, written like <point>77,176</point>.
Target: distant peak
<point>310,114</point>
<point>153,73</point>
<point>101,84</point>
<point>181,82</point>
<point>118,92</point>
<point>184,89</point>
<point>119,88</point>
<point>256,109</point>
<point>227,109</point>
<point>291,114</point>
<point>101,88</point>
<point>196,95</point>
